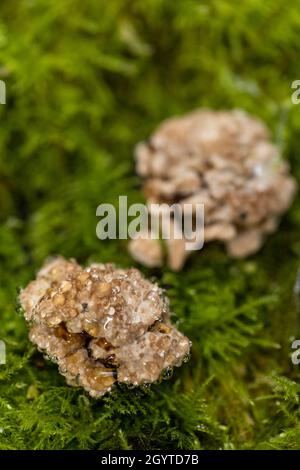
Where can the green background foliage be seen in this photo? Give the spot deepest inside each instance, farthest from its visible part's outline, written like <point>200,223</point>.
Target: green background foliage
<point>86,80</point>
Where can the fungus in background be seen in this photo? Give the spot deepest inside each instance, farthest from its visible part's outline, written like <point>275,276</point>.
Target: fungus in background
<point>225,161</point>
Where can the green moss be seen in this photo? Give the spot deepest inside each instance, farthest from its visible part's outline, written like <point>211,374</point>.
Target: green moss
<point>85,82</point>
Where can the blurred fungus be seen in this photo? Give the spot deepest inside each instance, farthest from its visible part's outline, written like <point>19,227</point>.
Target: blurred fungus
<point>225,161</point>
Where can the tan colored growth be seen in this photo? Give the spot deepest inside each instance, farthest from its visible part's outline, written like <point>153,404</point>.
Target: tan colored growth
<point>102,324</point>
<point>224,160</point>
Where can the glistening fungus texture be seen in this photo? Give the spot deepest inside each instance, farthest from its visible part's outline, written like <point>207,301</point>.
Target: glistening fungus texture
<point>224,160</point>
<point>102,324</point>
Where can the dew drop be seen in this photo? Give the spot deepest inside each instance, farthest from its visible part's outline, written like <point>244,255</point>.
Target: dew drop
<point>107,322</point>
<point>167,373</point>
<point>186,358</point>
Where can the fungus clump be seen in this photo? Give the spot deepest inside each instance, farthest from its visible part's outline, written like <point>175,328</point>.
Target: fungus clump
<point>224,160</point>
<point>101,325</point>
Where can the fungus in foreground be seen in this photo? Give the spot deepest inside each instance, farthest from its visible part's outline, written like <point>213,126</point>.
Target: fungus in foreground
<point>102,324</point>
